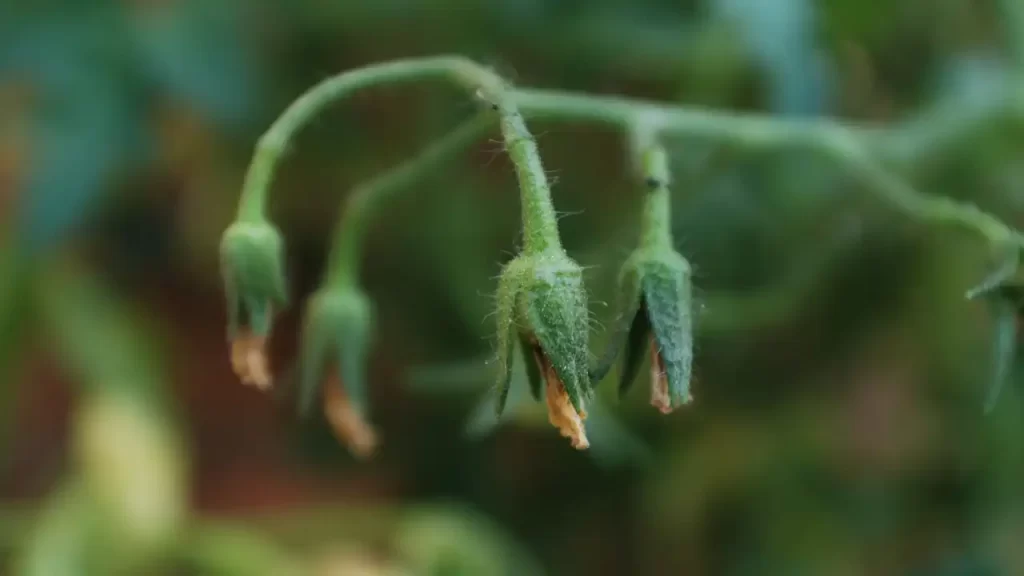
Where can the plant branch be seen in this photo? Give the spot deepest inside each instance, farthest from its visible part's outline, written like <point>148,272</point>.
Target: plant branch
<point>858,148</point>
<point>274,143</point>
<point>366,199</point>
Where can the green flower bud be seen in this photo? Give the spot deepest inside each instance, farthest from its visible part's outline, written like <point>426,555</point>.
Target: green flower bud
<point>252,263</point>
<point>655,313</point>
<point>335,345</point>
<point>655,298</point>
<point>542,306</point>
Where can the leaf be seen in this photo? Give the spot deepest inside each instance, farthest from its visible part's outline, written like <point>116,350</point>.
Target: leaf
<point>98,337</point>
<point>83,125</point>
<point>781,37</point>
<point>195,51</point>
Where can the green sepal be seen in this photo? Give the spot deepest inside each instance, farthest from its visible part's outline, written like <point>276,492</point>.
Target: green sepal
<point>509,287</point>
<point>337,330</point>
<point>1004,353</point>
<point>628,307</point>
<point>636,346</point>
<point>555,311</point>
<point>252,266</point>
<point>667,298</point>
<point>533,375</point>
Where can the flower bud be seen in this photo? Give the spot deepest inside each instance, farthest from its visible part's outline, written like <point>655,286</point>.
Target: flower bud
<point>252,263</point>
<point>336,342</point>
<point>542,304</point>
<point>655,313</point>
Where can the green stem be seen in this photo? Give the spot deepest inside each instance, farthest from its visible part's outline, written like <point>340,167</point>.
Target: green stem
<point>540,224</point>
<point>913,141</point>
<point>366,200</point>
<point>847,144</point>
<point>651,159</point>
<point>274,143</point>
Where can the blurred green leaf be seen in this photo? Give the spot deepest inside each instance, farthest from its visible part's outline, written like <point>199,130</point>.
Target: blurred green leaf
<point>197,52</point>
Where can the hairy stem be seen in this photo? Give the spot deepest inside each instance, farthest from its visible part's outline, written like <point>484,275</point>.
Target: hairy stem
<point>651,161</point>
<point>539,221</point>
<point>540,225</point>
<point>366,200</point>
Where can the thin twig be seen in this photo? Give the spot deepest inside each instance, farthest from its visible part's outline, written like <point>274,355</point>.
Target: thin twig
<point>367,198</point>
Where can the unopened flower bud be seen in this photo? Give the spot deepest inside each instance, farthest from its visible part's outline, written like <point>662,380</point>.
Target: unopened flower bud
<point>542,304</point>
<point>252,264</point>
<point>336,341</point>
<point>655,317</point>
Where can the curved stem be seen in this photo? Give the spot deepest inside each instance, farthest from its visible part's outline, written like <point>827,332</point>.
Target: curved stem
<point>539,221</point>
<point>849,145</point>
<point>367,199</point>
<point>274,143</point>
<point>540,225</point>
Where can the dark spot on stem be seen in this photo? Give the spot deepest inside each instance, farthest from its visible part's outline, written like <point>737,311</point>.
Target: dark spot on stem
<point>652,183</point>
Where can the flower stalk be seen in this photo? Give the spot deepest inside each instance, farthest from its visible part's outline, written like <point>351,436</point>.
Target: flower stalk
<point>654,291</point>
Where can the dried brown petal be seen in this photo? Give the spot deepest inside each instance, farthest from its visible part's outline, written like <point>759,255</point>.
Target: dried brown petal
<point>660,398</point>
<point>249,359</point>
<point>346,422</point>
<point>561,413</point>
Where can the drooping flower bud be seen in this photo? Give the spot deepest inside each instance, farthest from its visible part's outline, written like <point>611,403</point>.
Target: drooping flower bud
<point>335,345</point>
<point>542,305</point>
<point>252,264</point>
<point>654,299</point>
<point>657,284</point>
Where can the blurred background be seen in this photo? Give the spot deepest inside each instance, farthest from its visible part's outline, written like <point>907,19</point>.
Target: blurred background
<point>840,377</point>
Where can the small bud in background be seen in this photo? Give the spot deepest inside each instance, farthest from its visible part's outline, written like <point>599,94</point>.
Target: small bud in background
<point>335,344</point>
<point>252,262</point>
<point>542,304</point>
